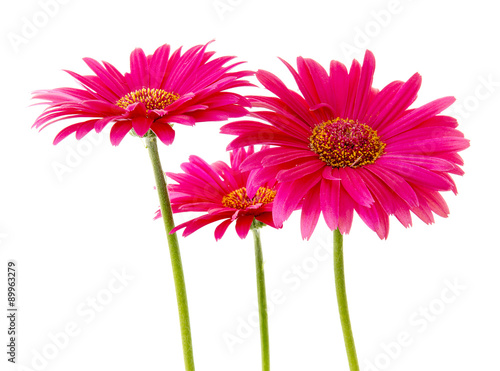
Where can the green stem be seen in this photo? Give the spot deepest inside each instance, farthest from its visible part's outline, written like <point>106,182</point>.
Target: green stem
<point>175,255</point>
<point>338,264</point>
<point>261,293</point>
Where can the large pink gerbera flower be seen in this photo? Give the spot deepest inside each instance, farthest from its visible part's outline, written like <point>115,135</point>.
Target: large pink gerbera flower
<point>343,146</point>
<point>219,191</point>
<point>161,89</point>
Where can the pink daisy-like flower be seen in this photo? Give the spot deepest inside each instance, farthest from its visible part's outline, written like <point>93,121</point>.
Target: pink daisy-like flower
<point>161,89</point>
<point>343,146</point>
<point>219,191</point>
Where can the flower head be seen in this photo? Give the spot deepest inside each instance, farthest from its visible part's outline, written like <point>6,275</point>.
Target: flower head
<point>220,191</point>
<point>161,89</point>
<point>343,146</point>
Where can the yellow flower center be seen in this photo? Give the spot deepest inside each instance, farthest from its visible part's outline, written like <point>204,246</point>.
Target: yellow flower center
<point>239,199</point>
<point>152,98</point>
<point>346,143</point>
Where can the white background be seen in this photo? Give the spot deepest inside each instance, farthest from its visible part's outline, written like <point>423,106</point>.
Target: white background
<point>71,234</point>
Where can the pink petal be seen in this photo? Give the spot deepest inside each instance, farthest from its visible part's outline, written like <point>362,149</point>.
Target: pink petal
<point>435,201</point>
<point>422,133</point>
<point>429,146</point>
<point>65,132</point>
<point>258,177</point>
<point>221,229</point>
<point>118,131</point>
<point>427,162</point>
<point>416,117</point>
<point>355,186</point>
<point>85,128</point>
<point>102,108</point>
<point>417,175</point>
<point>290,194</point>
<point>293,100</point>
<point>114,84</point>
<point>285,123</point>
<point>290,154</point>
<point>164,132</point>
<point>390,202</point>
<point>354,75</point>
<point>300,83</point>
<point>311,209</point>
<point>267,136</point>
<point>205,172</point>
<point>277,105</point>
<point>243,224</point>
<point>404,217</point>
<point>214,115</point>
<point>230,175</point>
<point>178,119</point>
<point>254,161</point>
<point>330,173</point>
<point>329,195</point>
<point>197,223</point>
<point>101,124</point>
<point>138,69</point>
<point>267,218</point>
<point>346,208</point>
<point>141,125</point>
<point>396,183</point>
<point>365,86</point>
<point>158,66</point>
<point>339,80</point>
<point>423,211</point>
<point>315,79</point>
<point>381,101</point>
<point>95,84</point>
<point>375,218</point>
<point>321,80</point>
<point>401,101</point>
<point>300,171</point>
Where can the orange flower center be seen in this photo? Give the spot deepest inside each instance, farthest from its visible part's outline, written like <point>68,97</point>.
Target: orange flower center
<point>152,98</point>
<point>239,199</point>
<point>346,143</point>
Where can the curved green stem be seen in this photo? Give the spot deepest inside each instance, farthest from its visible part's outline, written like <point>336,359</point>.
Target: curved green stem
<point>261,293</point>
<point>175,255</point>
<point>338,264</point>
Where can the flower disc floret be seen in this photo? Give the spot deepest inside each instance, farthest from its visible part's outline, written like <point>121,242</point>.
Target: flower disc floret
<point>239,199</point>
<point>153,99</point>
<point>346,143</point>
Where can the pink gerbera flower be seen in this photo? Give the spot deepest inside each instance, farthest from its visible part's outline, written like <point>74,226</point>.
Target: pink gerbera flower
<point>343,146</point>
<point>219,191</point>
<point>161,89</point>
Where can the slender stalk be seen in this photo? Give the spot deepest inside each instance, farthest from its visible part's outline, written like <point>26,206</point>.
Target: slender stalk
<point>175,255</point>
<point>338,265</point>
<point>261,293</point>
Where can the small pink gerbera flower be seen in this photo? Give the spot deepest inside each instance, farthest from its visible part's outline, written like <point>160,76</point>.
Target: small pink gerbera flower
<point>161,89</point>
<point>343,146</point>
<point>219,191</point>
